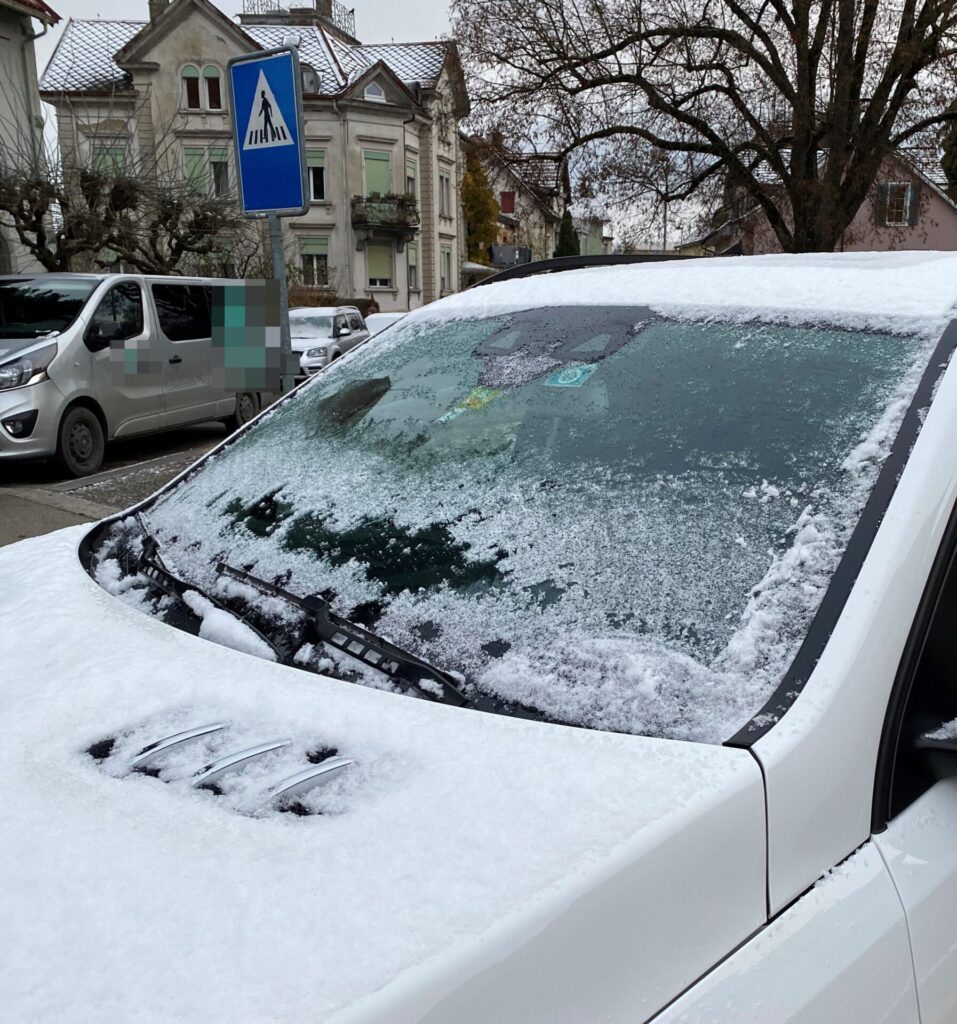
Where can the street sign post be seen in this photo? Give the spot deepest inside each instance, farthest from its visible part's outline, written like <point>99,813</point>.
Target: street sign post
<point>265,100</point>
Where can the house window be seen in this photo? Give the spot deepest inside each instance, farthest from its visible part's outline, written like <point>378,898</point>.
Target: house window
<point>190,77</point>
<point>310,80</point>
<point>412,251</point>
<point>374,93</point>
<point>214,95</point>
<point>411,178</point>
<point>316,170</point>
<point>108,159</point>
<point>379,264</point>
<point>445,194</point>
<point>897,202</point>
<point>507,202</point>
<point>377,169</point>
<point>195,164</point>
<point>314,260</point>
<point>219,172</point>
<point>445,268</point>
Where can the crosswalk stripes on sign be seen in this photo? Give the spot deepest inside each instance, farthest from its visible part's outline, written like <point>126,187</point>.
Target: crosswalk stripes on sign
<point>266,127</point>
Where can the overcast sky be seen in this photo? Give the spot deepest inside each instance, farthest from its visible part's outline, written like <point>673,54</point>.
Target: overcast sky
<point>377,21</point>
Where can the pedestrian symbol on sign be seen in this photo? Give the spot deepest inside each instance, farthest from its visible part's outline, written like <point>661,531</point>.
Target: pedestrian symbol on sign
<point>267,126</point>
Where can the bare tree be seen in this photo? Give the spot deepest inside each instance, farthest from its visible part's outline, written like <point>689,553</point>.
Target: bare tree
<point>793,103</point>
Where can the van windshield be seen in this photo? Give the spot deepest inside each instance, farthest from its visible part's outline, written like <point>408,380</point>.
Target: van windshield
<point>34,306</point>
<point>622,520</point>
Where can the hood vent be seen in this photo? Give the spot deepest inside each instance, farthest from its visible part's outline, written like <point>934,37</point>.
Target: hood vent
<point>256,779</point>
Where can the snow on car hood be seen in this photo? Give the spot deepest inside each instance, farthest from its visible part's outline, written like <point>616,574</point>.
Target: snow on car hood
<point>459,846</point>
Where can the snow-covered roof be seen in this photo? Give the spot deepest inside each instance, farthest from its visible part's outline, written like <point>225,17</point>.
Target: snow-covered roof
<point>84,58</point>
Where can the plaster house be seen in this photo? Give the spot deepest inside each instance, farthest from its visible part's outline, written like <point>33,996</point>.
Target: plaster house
<point>531,196</point>
<point>21,118</point>
<point>594,236</point>
<point>907,208</point>
<point>379,120</point>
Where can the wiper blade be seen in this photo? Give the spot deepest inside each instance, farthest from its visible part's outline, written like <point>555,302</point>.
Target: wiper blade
<point>151,566</point>
<point>360,643</point>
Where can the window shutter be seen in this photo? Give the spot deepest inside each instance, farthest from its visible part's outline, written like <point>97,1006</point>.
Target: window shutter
<point>315,158</point>
<point>194,159</point>
<point>508,202</point>
<point>378,174</point>
<point>314,246</point>
<point>913,205</point>
<point>379,261</point>
<point>880,205</point>
<point>413,250</point>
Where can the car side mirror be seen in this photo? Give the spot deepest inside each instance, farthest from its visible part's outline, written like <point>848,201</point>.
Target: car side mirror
<point>99,336</point>
<point>937,748</point>
<point>344,332</point>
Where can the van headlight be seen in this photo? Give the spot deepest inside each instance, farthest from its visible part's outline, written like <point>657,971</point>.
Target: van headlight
<point>318,353</point>
<point>28,369</point>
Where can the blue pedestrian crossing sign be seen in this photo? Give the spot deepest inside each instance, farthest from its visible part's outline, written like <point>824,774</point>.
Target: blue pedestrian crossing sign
<point>266,104</point>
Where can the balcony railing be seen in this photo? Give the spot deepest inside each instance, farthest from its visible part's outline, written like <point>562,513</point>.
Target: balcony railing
<point>340,15</point>
<point>392,212</point>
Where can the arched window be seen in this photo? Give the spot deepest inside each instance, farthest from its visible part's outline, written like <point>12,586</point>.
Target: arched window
<point>375,93</point>
<point>310,80</point>
<point>214,95</point>
<point>190,77</point>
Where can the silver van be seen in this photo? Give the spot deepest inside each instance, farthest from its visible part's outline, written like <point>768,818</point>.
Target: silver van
<point>85,358</point>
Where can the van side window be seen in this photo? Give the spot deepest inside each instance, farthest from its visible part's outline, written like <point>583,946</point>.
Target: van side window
<point>119,316</point>
<point>184,310</point>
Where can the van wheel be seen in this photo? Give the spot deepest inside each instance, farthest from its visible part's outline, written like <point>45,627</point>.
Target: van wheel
<point>80,442</point>
<point>247,406</point>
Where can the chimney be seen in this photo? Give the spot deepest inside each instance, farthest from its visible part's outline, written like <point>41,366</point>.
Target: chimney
<point>157,7</point>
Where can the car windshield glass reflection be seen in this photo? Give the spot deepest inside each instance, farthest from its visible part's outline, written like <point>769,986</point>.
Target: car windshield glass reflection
<point>624,520</point>
<point>32,307</point>
<point>311,326</point>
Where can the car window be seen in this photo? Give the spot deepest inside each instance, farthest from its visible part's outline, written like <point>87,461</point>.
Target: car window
<point>340,323</point>
<point>310,326</point>
<point>621,520</point>
<point>184,310</point>
<point>123,306</point>
<point>355,323</point>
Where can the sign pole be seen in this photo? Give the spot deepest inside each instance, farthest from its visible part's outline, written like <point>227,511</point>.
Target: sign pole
<point>279,273</point>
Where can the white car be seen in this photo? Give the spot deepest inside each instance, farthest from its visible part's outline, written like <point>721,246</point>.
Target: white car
<point>320,334</point>
<point>378,322</point>
<point>664,726</point>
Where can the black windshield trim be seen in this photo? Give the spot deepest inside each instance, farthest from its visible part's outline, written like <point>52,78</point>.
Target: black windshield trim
<point>849,568</point>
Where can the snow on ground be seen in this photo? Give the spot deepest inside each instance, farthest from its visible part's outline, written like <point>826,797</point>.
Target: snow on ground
<point>137,899</point>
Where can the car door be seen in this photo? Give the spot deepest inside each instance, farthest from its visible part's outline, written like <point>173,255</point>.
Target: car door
<point>916,797</point>
<point>128,359</point>
<point>358,328</point>
<point>184,314</point>
<point>342,342</point>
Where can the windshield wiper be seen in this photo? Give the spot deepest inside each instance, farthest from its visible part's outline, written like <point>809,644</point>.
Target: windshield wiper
<point>360,643</point>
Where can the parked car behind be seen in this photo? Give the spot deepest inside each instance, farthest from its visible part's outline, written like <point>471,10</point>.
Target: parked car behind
<point>320,334</point>
<point>85,358</point>
<point>378,322</point>
<point>603,668</point>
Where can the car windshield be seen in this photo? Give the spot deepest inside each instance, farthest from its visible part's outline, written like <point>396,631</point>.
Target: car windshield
<point>34,306</point>
<point>310,326</point>
<point>622,520</point>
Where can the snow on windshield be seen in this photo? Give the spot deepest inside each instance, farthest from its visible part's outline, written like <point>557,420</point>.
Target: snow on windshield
<point>622,520</point>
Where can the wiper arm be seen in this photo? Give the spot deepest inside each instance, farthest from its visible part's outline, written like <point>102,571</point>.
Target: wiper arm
<point>360,643</point>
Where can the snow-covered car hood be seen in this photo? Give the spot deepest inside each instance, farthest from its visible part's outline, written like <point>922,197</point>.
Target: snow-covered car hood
<point>475,866</point>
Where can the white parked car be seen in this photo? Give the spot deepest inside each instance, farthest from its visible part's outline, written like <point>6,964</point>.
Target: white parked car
<point>378,322</point>
<point>320,334</point>
<point>664,726</point>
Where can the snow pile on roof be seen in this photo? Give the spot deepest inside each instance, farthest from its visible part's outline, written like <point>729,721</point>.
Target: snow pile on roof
<point>902,291</point>
<point>83,59</point>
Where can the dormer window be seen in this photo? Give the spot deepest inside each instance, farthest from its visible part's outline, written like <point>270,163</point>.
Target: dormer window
<point>310,80</point>
<point>214,95</point>
<point>375,93</point>
<point>190,80</point>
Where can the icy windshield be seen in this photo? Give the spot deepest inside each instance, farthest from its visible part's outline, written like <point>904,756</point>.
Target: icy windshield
<point>34,306</point>
<point>622,520</point>
<point>310,326</point>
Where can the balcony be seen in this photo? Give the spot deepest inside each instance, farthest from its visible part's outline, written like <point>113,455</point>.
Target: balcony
<point>386,217</point>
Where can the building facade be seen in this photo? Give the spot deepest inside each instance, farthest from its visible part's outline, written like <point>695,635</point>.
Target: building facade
<point>21,119</point>
<point>381,133</point>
